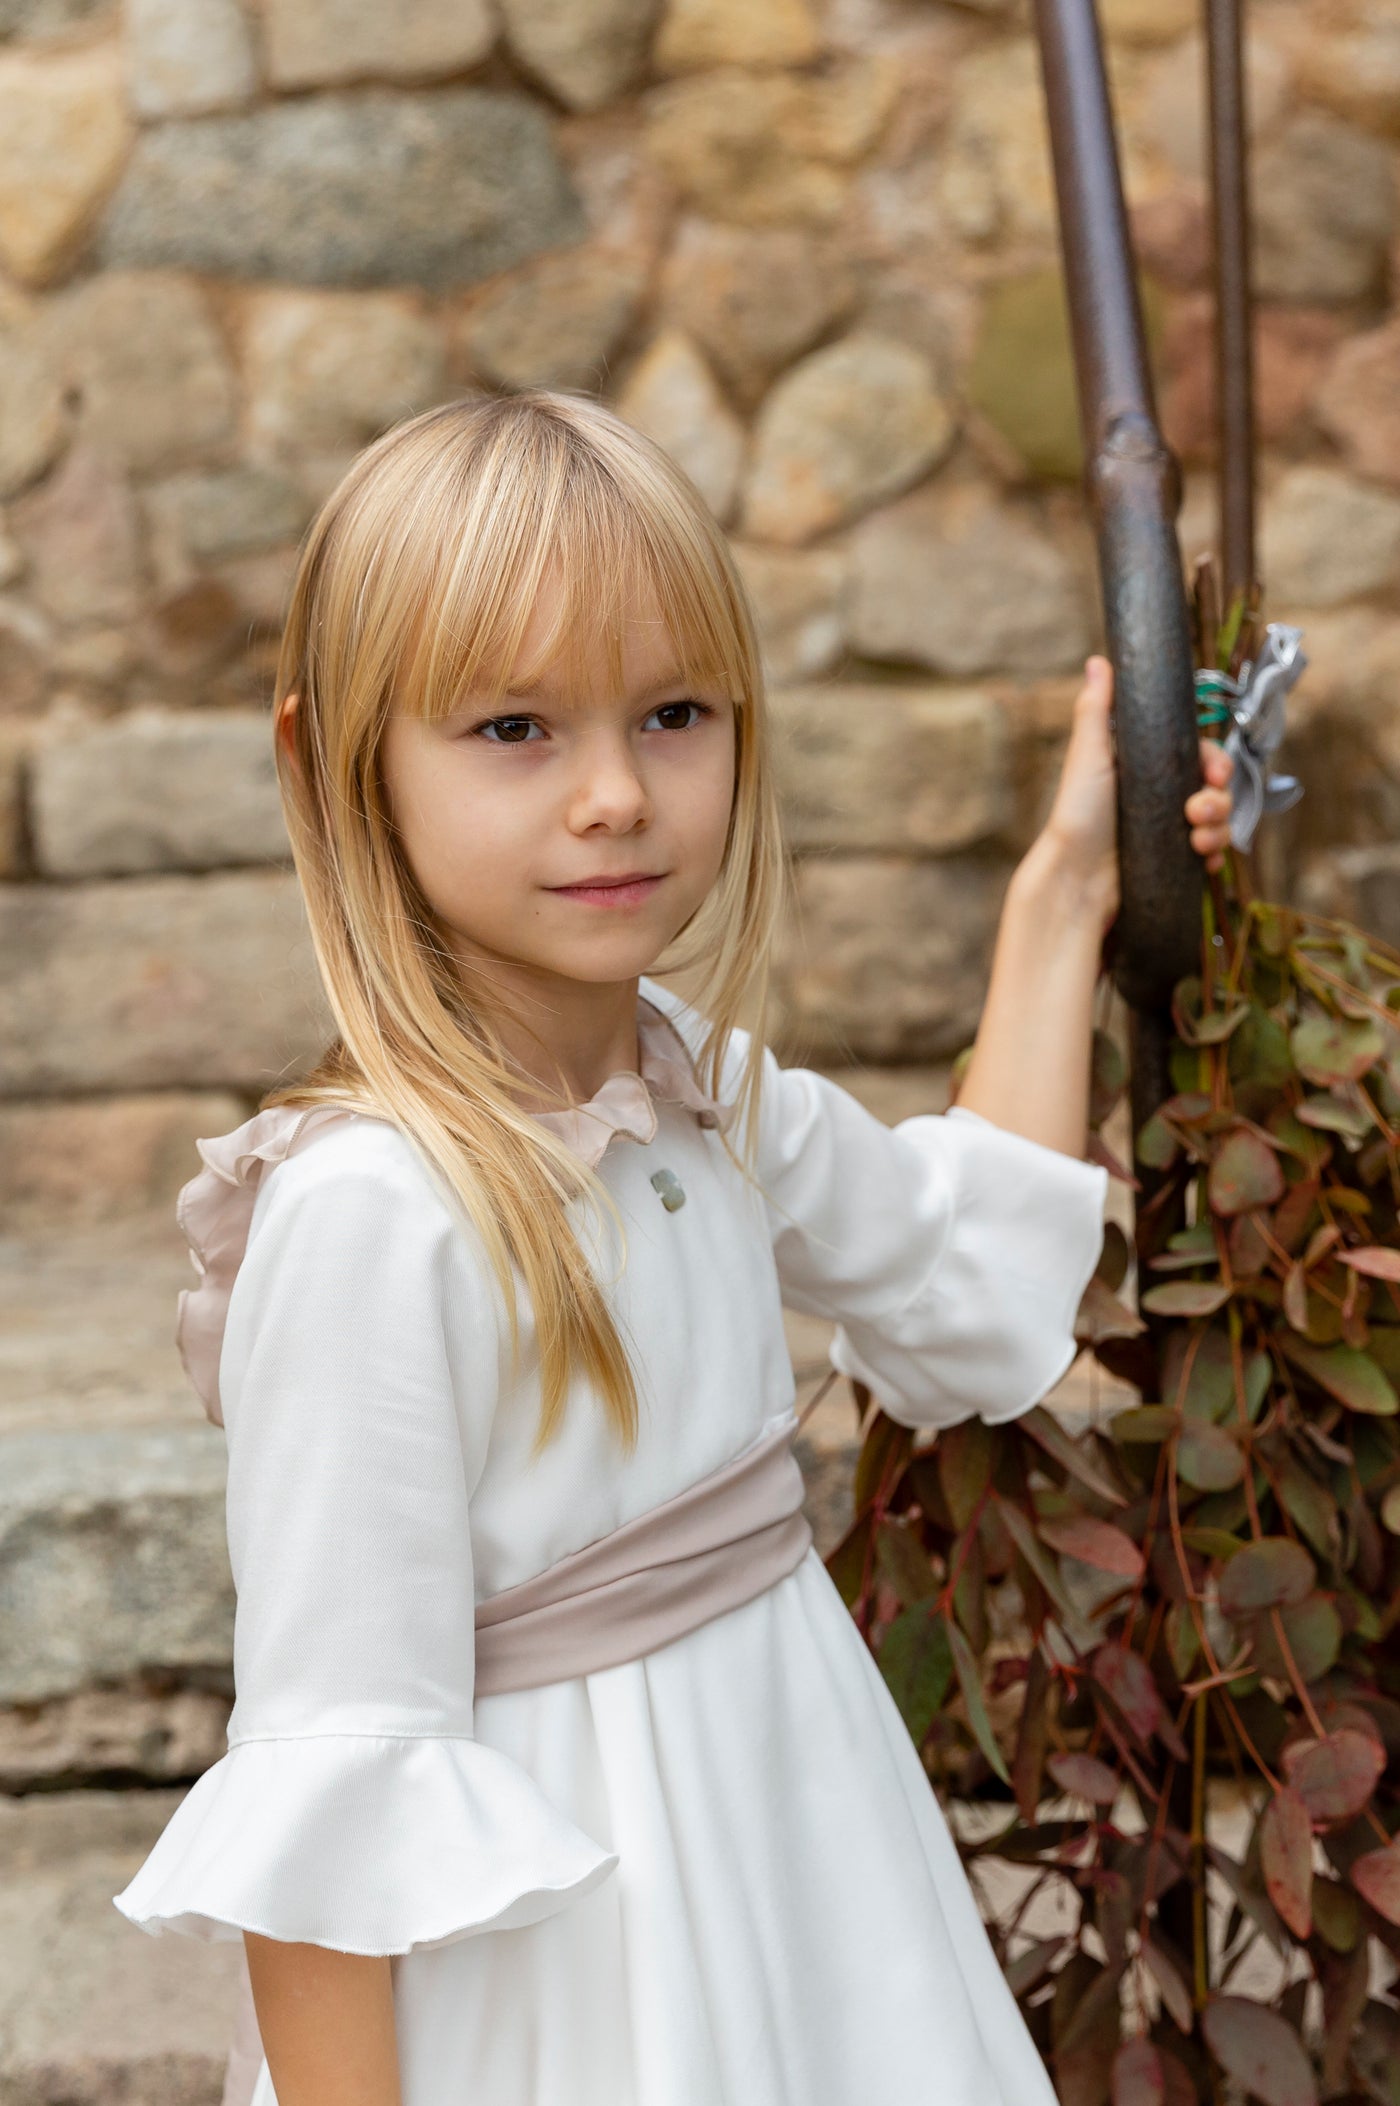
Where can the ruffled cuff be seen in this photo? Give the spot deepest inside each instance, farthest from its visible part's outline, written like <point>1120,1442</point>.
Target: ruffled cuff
<point>991,1328</point>
<point>365,1843</point>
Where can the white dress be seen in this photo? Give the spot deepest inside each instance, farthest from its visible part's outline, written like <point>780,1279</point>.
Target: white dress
<point>714,1876</point>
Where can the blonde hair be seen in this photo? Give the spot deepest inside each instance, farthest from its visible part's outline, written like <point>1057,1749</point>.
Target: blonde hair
<point>417,583</point>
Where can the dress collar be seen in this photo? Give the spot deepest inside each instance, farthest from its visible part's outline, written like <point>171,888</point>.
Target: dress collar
<point>626,1102</point>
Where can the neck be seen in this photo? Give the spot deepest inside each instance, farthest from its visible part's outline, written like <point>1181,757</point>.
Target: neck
<point>589,1028</point>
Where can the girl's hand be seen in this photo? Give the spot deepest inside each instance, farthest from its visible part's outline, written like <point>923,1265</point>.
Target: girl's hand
<point>1208,809</point>
<point>1081,830</point>
<point>1079,839</point>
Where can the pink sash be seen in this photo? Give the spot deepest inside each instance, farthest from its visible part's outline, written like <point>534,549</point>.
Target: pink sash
<point>721,1542</point>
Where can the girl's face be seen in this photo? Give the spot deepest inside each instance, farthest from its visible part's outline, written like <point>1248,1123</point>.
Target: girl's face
<point>510,811</point>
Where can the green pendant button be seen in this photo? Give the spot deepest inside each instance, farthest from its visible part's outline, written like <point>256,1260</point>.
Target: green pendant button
<point>669,1186</point>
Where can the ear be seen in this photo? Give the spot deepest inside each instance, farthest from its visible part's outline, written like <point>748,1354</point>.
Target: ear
<point>286,718</point>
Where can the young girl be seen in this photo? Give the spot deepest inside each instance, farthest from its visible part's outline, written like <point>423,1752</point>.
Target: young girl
<point>558,1773</point>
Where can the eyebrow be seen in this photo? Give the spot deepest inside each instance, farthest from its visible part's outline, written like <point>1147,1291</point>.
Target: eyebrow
<point>539,690</point>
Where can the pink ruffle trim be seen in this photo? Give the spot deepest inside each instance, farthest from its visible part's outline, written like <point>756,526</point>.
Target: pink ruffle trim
<point>215,1210</point>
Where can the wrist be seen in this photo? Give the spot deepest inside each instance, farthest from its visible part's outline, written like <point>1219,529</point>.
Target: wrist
<point>1052,883</point>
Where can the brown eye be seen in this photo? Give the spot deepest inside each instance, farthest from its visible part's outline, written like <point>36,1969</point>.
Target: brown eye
<point>492,723</point>
<point>663,707</point>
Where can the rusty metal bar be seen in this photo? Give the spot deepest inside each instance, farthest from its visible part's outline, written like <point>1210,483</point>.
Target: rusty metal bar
<point>1234,353</point>
<point>1134,490</point>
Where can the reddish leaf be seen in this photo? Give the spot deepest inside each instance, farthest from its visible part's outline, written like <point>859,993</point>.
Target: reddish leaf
<point>1286,1855</point>
<point>1259,2050</point>
<point>1072,1454</point>
<point>1266,1575</point>
<point>1376,1878</point>
<point>1180,2090</point>
<point>964,1455</point>
<point>1032,1736</point>
<point>1295,1296</point>
<point>1085,1776</point>
<point>1207,1457</point>
<point>1374,1259</point>
<point>1335,1777</point>
<point>1138,2076</point>
<point>1093,1542</point>
<point>1351,1377</point>
<point>1128,1680</point>
<point>1171,1985</point>
<point>1185,1298</point>
<point>1245,1174</point>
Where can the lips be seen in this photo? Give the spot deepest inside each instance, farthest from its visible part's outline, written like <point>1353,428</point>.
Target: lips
<point>601,884</point>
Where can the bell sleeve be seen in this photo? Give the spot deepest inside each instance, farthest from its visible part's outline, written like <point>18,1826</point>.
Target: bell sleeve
<point>951,1253</point>
<point>354,1808</point>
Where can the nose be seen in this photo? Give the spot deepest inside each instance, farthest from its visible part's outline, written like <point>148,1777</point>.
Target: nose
<point>608,789</point>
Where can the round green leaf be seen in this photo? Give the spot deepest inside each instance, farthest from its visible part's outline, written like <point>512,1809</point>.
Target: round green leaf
<point>1313,1631</point>
<point>1207,1458</point>
<point>1271,1574</point>
<point>1186,1298</point>
<point>1331,1049</point>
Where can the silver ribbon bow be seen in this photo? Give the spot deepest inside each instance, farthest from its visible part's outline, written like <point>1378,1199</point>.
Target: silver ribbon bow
<point>1258,710</point>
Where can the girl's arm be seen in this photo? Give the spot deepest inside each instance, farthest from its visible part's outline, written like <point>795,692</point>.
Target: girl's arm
<point>1029,1070</point>
<point>327,2023</point>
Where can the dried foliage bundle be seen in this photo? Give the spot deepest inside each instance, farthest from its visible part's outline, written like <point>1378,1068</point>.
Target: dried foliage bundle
<point>1103,1633</point>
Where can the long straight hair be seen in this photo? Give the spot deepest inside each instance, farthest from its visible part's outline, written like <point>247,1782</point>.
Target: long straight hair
<point>416,584</point>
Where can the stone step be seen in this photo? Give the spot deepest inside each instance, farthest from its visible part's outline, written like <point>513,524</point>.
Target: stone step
<point>93,2012</point>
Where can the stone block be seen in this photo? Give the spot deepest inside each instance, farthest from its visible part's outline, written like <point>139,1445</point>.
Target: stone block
<point>1354,67</point>
<point>887,959</point>
<point>157,983</point>
<point>923,770</point>
<point>209,515</point>
<point>770,149</point>
<point>82,542</point>
<point>64,134</point>
<point>587,52</point>
<point>1326,539</point>
<point>799,601</point>
<point>34,415</point>
<point>1359,404</point>
<point>157,790</point>
<point>754,298</point>
<point>955,579</point>
<point>1022,373</point>
<point>110,1736</point>
<point>41,19</point>
<point>320,43</point>
<point>85,1161</point>
<point>671,396</point>
<point>699,33</point>
<point>149,366</point>
<point>188,57</point>
<point>326,371</point>
<point>25,645</point>
<point>557,322</point>
<point>850,426</point>
<point>436,188</point>
<point>113,1560</point>
<point>1324,212</point>
<point>995,178</point>
<point>91,2012</point>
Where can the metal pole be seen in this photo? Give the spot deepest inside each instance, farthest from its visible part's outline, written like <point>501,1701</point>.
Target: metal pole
<point>1134,490</point>
<point>1234,357</point>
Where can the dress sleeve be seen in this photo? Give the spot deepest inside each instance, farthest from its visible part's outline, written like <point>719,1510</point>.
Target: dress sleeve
<point>951,1253</point>
<point>354,1808</point>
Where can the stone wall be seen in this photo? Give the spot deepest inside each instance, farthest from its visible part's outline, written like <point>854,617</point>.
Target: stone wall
<point>809,245</point>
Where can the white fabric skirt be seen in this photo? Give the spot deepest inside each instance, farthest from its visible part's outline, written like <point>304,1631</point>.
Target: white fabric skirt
<point>788,1924</point>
